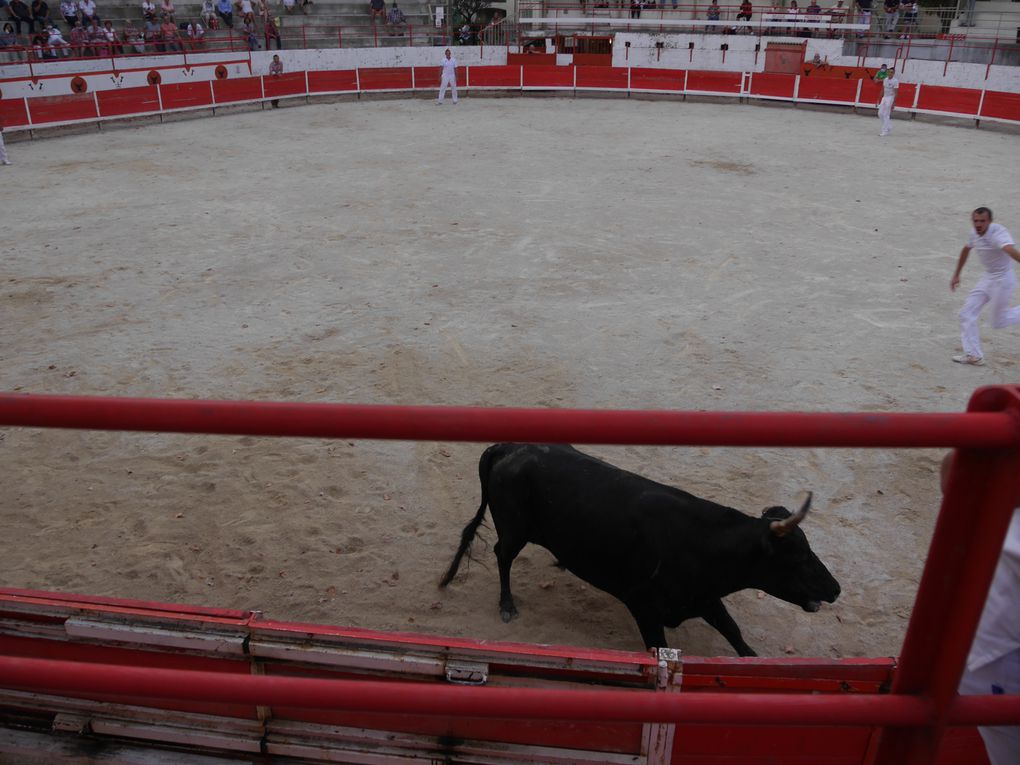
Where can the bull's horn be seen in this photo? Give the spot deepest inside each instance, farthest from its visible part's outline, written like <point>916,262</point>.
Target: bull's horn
<point>785,526</point>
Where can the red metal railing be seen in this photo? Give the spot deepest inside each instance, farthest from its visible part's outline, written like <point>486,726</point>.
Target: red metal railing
<point>983,489</point>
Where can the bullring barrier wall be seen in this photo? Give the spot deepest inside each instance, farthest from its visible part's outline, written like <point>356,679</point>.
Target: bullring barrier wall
<point>215,86</point>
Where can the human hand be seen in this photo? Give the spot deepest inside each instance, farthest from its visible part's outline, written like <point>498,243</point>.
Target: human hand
<point>954,283</point>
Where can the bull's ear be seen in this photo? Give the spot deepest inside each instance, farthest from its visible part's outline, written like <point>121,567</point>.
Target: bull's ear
<point>776,513</point>
<point>781,528</point>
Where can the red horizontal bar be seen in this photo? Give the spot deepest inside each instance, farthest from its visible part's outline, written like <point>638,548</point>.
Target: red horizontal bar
<point>444,423</point>
<point>105,680</point>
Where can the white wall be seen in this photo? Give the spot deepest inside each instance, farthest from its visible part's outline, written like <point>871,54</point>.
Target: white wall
<point>351,58</point>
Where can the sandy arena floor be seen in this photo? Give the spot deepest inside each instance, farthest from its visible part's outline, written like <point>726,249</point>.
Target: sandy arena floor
<point>531,252</point>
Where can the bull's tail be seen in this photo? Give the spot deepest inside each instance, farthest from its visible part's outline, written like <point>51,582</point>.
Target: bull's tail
<point>468,534</point>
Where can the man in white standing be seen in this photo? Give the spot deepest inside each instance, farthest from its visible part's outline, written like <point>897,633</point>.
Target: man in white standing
<point>3,149</point>
<point>889,85</point>
<point>995,247</point>
<point>448,77</point>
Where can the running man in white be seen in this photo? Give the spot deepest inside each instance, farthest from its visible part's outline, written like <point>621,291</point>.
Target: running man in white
<point>888,100</point>
<point>995,247</point>
<point>448,78</point>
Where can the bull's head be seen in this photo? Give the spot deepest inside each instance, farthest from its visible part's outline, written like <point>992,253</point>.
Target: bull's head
<point>791,570</point>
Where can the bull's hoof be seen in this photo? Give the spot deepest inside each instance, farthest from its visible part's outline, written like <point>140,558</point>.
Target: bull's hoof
<point>506,614</point>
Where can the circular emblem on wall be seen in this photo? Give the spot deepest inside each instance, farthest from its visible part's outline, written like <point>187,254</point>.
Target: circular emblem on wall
<point>78,85</point>
<point>221,72</point>
<point>154,77</point>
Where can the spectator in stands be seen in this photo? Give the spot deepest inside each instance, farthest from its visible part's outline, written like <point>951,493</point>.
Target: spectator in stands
<point>305,4</point>
<point>97,39</point>
<point>396,19</point>
<point>132,38</point>
<point>635,9</point>
<point>249,32</point>
<point>148,10</point>
<point>110,35</point>
<point>153,35</point>
<point>377,8</point>
<point>262,7</point>
<point>864,7</point>
<point>466,35</point>
<point>8,38</point>
<point>243,8</point>
<point>910,11</point>
<point>209,14</point>
<point>746,9</point>
<point>171,37</point>
<point>79,39</point>
<point>196,35</point>
<point>166,10</point>
<point>814,9</point>
<point>223,11</point>
<point>272,32</point>
<point>20,14</point>
<point>275,70</point>
<point>69,10</point>
<point>837,13</point>
<point>892,16</point>
<point>40,46</point>
<point>289,5</point>
<point>713,11</point>
<point>87,9</point>
<point>41,14</point>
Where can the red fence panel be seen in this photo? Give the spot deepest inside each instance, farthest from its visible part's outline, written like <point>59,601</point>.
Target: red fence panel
<point>548,76</point>
<point>494,77</point>
<point>240,89</point>
<point>657,79</point>
<point>937,98</point>
<point>602,77</point>
<point>113,103</point>
<point>826,89</point>
<point>391,78</point>
<point>62,108</point>
<point>715,82</point>
<point>291,84</point>
<point>333,81</point>
<point>531,59</point>
<point>181,95</point>
<point>1005,106</point>
<point>13,112</point>
<point>773,85</point>
<point>426,77</point>
<point>905,95</point>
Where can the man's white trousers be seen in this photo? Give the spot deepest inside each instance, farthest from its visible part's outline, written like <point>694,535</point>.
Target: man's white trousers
<point>447,81</point>
<point>885,113</point>
<point>996,290</point>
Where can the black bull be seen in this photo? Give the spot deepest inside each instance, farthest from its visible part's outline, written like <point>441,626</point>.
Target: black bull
<point>668,555</point>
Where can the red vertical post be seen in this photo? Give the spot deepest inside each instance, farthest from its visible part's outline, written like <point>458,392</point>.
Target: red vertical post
<point>949,56</point>
<point>976,511</point>
<point>991,60</point>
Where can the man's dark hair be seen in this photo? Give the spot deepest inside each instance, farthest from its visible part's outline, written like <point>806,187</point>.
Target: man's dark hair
<point>983,211</point>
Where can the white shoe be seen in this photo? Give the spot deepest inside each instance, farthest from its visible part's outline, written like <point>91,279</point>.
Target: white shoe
<point>7,162</point>
<point>964,358</point>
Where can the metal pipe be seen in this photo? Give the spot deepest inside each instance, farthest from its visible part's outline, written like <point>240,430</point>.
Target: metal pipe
<point>442,423</point>
<point>104,680</point>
